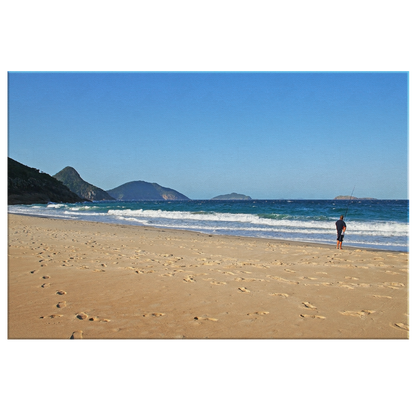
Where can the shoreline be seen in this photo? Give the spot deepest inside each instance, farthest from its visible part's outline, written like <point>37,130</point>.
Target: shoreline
<point>73,279</point>
<point>279,240</point>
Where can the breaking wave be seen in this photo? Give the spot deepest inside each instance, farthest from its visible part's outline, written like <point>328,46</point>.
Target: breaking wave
<point>302,223</point>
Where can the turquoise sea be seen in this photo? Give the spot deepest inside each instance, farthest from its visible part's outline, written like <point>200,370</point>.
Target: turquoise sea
<point>381,224</point>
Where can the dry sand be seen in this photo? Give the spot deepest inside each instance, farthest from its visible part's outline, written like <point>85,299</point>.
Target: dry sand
<point>73,279</point>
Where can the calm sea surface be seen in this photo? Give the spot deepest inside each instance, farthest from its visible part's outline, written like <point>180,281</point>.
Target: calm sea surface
<point>381,224</point>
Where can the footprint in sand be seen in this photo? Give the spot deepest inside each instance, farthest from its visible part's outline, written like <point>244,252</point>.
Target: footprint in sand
<point>351,278</point>
<point>45,285</point>
<point>189,280</point>
<point>155,314</point>
<point>203,318</point>
<point>98,319</point>
<point>94,319</point>
<point>393,285</point>
<point>341,284</point>
<point>61,292</point>
<point>51,316</point>
<point>46,277</point>
<point>312,316</point>
<point>381,296</point>
<point>289,271</point>
<point>218,283</point>
<point>243,289</point>
<point>281,279</point>
<point>402,326</point>
<point>61,305</point>
<point>283,295</point>
<point>254,280</point>
<point>259,313</point>
<point>308,305</point>
<point>357,313</point>
<point>76,335</point>
<point>83,316</point>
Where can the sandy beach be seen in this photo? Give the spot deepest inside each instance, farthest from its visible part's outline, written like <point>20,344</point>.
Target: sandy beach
<point>73,279</point>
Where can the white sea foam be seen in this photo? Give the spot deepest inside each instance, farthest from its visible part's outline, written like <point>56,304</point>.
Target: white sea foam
<point>55,206</point>
<point>354,227</point>
<point>81,208</point>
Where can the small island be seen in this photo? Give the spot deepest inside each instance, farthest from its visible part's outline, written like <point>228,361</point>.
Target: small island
<point>231,197</point>
<point>352,197</point>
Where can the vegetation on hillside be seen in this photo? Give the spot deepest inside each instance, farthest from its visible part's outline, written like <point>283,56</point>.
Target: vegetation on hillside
<point>30,186</point>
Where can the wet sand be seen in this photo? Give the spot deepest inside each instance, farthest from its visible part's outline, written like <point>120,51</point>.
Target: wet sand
<point>73,279</point>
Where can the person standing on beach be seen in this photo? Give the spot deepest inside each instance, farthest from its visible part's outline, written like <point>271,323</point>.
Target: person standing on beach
<point>341,227</point>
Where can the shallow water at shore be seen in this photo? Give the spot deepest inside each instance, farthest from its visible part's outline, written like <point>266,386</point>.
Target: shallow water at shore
<point>380,224</point>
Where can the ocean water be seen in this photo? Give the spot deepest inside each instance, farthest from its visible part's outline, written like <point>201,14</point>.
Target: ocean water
<point>381,224</point>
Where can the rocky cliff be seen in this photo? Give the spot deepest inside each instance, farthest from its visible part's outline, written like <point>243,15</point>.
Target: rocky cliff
<point>29,186</point>
<point>71,178</point>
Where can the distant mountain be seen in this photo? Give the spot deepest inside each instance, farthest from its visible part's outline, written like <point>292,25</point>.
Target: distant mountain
<point>231,197</point>
<point>350,197</point>
<point>71,178</point>
<point>145,191</point>
<point>28,186</point>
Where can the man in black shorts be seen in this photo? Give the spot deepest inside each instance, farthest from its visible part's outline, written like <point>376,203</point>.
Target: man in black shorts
<point>341,227</point>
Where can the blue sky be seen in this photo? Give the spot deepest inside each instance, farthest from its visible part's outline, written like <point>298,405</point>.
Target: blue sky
<point>268,135</point>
